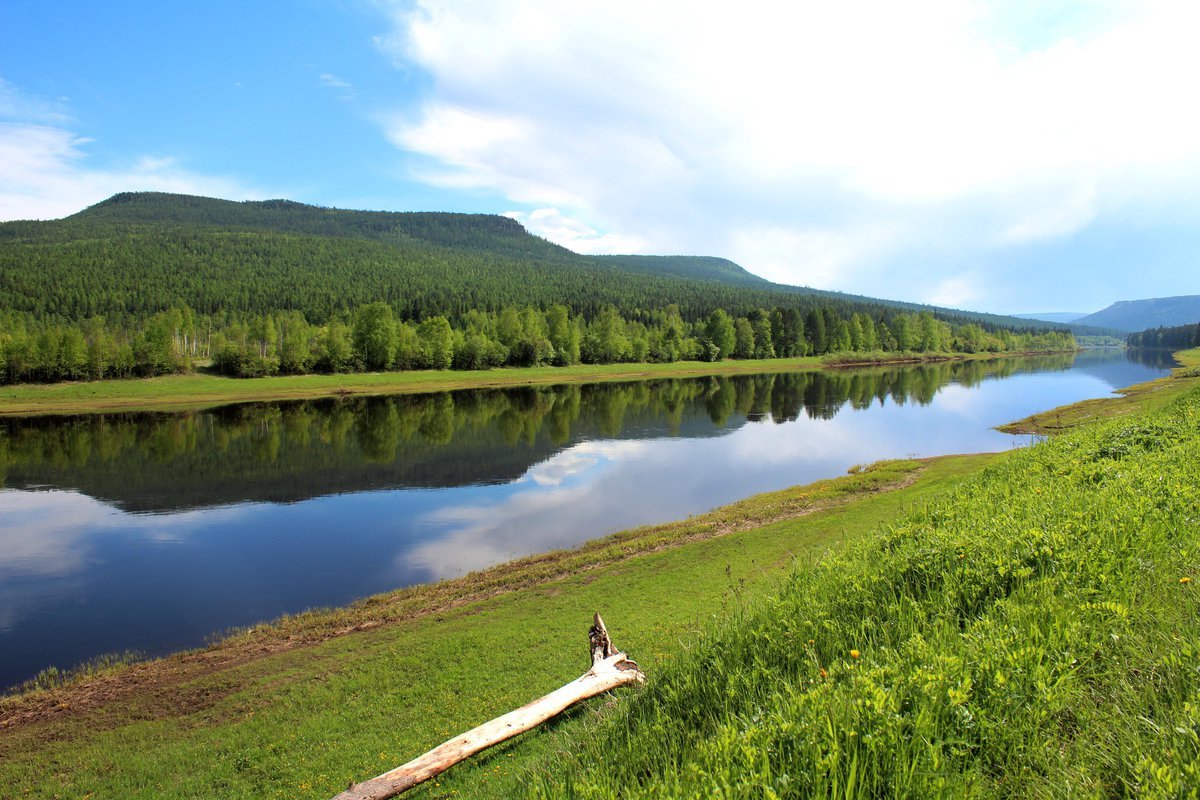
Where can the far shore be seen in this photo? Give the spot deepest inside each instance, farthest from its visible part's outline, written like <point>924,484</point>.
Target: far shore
<point>200,390</point>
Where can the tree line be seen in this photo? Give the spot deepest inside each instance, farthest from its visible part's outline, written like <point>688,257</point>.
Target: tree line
<point>375,337</point>
<point>1179,337</point>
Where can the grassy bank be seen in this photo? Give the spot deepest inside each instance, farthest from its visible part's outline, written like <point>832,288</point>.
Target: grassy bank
<point>300,708</point>
<point>875,359</point>
<point>1031,633</point>
<point>1139,398</point>
<point>204,390</point>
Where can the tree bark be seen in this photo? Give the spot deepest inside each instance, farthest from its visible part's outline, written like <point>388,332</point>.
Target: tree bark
<point>610,669</point>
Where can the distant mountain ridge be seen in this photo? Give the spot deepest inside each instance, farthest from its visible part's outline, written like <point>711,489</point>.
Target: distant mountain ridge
<point>1063,317</point>
<point>1139,315</point>
<point>140,252</point>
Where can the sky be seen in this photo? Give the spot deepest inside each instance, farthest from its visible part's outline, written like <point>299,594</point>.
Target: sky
<point>1009,156</point>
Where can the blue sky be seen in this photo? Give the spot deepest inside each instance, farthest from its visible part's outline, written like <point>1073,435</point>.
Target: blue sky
<point>1010,156</point>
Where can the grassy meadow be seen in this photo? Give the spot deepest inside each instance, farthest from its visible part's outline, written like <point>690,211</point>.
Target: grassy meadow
<point>1019,624</point>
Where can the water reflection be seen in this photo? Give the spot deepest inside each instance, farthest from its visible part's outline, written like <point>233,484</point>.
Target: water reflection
<point>152,531</point>
<point>287,452</point>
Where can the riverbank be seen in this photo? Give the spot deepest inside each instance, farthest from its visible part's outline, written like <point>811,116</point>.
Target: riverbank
<point>1141,397</point>
<point>1029,634</point>
<point>853,360</point>
<point>203,390</point>
<point>298,708</point>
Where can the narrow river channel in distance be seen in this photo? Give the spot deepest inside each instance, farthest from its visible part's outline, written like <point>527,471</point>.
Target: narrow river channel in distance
<point>155,532</point>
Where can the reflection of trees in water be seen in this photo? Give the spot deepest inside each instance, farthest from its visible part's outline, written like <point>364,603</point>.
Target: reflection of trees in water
<point>299,449</point>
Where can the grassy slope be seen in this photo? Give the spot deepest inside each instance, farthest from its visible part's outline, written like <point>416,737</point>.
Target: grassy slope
<point>1031,633</point>
<point>303,721</point>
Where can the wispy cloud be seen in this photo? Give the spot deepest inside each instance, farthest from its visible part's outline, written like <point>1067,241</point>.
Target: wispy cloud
<point>344,88</point>
<point>333,81</point>
<point>46,170</point>
<point>837,145</point>
<point>17,105</point>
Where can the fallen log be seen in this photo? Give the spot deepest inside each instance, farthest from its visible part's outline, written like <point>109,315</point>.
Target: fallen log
<point>610,669</point>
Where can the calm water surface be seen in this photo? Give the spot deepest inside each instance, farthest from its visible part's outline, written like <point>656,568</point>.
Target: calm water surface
<point>153,532</point>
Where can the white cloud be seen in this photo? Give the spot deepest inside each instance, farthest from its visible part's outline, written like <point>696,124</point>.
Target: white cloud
<point>815,143</point>
<point>552,224</point>
<point>45,169</point>
<point>345,90</point>
<point>333,81</point>
<point>957,292</point>
<point>813,256</point>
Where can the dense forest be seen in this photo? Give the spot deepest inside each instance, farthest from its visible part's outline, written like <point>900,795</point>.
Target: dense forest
<point>146,283</point>
<point>1176,338</point>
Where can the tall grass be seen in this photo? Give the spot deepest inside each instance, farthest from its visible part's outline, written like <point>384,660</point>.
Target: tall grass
<point>1032,634</point>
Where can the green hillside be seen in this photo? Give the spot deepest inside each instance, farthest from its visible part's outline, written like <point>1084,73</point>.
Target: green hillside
<point>693,267</point>
<point>146,284</point>
<point>136,254</point>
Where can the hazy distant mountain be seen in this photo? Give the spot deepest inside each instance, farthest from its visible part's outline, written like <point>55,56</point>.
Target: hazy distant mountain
<point>1138,315</point>
<point>1054,316</point>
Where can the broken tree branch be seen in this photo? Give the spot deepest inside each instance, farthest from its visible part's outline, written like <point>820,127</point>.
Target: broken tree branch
<point>610,669</point>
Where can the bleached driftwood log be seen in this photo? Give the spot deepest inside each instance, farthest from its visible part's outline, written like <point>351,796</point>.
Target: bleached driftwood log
<point>610,669</point>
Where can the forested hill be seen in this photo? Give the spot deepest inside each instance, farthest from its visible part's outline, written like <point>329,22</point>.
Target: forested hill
<point>1156,312</point>
<point>487,232</point>
<point>137,254</point>
<point>694,267</point>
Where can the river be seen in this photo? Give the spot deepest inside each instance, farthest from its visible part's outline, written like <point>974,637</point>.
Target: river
<point>155,532</point>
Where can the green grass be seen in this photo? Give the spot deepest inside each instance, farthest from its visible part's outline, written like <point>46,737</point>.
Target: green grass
<point>428,662</point>
<point>1031,633</point>
<point>202,390</point>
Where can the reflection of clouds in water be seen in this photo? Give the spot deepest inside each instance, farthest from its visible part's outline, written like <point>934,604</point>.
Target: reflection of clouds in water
<point>41,533</point>
<point>550,510</point>
<point>799,441</point>
<point>957,399</point>
<point>649,487</point>
<point>576,461</point>
<point>49,542</point>
<point>675,478</point>
<point>49,533</point>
